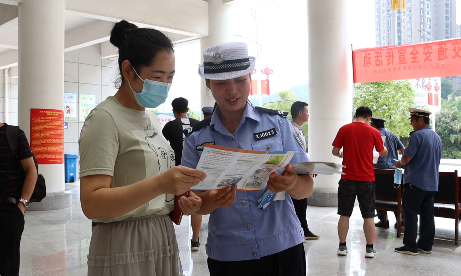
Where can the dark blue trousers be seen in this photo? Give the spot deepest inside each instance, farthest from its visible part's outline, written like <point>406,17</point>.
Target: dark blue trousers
<point>289,262</point>
<point>416,201</point>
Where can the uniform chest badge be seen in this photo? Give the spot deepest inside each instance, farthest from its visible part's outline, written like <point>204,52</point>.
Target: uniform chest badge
<point>201,146</point>
<point>265,134</point>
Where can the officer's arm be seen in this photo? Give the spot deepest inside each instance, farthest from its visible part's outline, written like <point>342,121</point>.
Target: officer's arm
<point>402,150</point>
<point>405,160</point>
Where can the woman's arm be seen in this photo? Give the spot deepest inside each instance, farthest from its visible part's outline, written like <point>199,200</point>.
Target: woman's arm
<point>99,201</point>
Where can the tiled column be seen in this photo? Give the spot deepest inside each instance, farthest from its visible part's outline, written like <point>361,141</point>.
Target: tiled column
<point>330,88</point>
<point>219,31</point>
<point>41,80</point>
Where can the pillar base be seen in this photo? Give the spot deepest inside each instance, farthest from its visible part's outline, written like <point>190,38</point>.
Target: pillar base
<point>323,198</point>
<point>53,201</point>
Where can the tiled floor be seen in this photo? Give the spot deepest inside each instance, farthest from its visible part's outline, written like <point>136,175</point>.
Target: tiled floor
<point>56,243</point>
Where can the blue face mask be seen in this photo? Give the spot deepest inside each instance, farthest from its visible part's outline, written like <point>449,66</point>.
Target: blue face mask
<point>153,93</point>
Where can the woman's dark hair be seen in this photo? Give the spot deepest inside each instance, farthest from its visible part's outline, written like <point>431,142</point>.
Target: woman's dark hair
<point>138,45</point>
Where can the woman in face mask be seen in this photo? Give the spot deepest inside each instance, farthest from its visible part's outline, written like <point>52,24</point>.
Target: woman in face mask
<point>127,175</point>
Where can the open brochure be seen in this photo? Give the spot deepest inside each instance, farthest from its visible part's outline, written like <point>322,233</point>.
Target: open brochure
<point>249,170</point>
<point>318,168</point>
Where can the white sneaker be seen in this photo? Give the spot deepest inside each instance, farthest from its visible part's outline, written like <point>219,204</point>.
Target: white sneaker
<point>342,250</point>
<point>371,253</point>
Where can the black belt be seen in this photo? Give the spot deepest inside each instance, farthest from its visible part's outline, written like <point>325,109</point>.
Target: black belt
<point>8,200</point>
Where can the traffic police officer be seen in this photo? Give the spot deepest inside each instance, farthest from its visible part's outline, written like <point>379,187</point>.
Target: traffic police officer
<point>393,144</point>
<point>242,239</point>
<point>421,161</point>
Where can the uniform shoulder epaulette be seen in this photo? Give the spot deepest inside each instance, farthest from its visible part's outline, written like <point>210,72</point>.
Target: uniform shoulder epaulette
<point>272,111</point>
<point>197,127</point>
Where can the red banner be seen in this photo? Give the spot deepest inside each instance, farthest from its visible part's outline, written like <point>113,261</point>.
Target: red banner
<point>254,87</point>
<point>265,87</point>
<point>411,61</point>
<point>436,99</point>
<point>47,135</point>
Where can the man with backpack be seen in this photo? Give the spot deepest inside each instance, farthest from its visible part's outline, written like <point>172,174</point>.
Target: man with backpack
<point>15,192</point>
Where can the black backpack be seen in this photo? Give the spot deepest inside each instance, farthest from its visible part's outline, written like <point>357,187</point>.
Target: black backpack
<point>40,187</point>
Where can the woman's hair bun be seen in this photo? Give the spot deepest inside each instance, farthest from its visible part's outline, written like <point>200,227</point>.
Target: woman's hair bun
<point>120,31</point>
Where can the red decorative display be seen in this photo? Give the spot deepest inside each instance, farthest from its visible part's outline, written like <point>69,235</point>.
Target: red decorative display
<point>47,135</point>
<point>411,61</point>
<point>429,99</point>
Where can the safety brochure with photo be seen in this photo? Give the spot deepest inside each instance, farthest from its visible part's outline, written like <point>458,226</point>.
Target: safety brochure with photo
<point>249,170</point>
<point>318,168</point>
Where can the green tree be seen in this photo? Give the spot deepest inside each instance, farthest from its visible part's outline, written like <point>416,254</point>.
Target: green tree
<point>194,115</point>
<point>447,87</point>
<point>287,98</point>
<point>448,127</point>
<point>389,100</point>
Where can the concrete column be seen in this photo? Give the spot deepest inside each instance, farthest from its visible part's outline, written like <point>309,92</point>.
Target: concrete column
<point>41,80</point>
<point>330,88</point>
<point>219,31</point>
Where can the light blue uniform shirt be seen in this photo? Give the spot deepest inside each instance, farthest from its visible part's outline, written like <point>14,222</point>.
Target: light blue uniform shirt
<point>425,151</point>
<point>242,231</point>
<point>392,144</point>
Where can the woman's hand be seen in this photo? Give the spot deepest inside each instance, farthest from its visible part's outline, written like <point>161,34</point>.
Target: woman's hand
<point>279,183</point>
<point>190,205</point>
<point>179,179</point>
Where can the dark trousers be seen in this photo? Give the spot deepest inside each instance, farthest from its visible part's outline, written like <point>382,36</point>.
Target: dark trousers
<point>300,209</point>
<point>416,201</point>
<point>11,227</point>
<point>291,261</point>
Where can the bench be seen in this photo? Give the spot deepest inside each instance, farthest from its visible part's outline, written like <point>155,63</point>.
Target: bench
<point>388,198</point>
<point>446,200</point>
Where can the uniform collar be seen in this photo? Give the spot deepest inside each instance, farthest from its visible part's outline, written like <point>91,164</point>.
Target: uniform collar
<point>249,112</point>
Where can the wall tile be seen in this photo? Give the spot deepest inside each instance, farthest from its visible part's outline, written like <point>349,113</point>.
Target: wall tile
<point>2,106</point>
<point>90,55</point>
<point>2,117</point>
<point>14,118</point>
<point>71,87</point>
<point>71,148</point>
<point>14,90</point>
<point>89,74</point>
<point>71,134</point>
<point>2,89</point>
<point>14,105</point>
<point>71,56</point>
<point>110,62</point>
<point>109,75</point>
<point>70,72</point>
<point>90,89</point>
<point>108,91</point>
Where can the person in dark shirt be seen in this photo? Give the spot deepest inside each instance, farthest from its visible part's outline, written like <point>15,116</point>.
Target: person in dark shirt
<point>173,130</point>
<point>14,198</point>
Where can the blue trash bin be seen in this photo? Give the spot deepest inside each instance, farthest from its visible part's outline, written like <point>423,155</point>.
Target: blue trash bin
<point>70,161</point>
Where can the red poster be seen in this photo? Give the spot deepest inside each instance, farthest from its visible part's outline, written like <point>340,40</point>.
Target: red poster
<point>436,99</point>
<point>265,87</point>
<point>47,135</point>
<point>254,87</point>
<point>411,61</point>
<point>429,98</point>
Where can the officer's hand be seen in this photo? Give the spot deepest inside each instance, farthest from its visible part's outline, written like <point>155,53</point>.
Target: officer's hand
<point>279,183</point>
<point>224,197</point>
<point>398,164</point>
